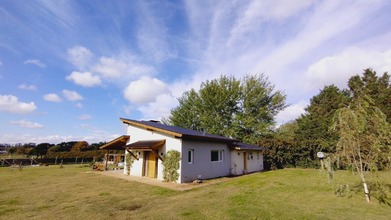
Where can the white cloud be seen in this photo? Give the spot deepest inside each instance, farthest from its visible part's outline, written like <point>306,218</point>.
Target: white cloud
<point>71,95</point>
<point>85,79</point>
<point>80,56</point>
<point>52,97</point>
<point>85,117</point>
<point>291,112</point>
<point>35,62</point>
<point>159,109</point>
<point>79,105</point>
<point>27,87</point>
<point>10,103</point>
<point>55,138</point>
<point>144,90</point>
<point>125,66</point>
<point>152,35</point>
<point>27,124</point>
<point>262,11</point>
<point>339,68</point>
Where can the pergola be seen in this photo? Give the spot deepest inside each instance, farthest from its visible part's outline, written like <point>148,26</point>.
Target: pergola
<point>144,145</point>
<point>116,144</point>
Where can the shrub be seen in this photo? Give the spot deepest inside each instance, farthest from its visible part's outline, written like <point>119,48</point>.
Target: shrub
<point>171,166</point>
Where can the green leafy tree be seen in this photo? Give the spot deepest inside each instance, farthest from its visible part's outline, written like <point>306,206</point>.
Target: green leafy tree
<point>243,109</point>
<point>40,149</point>
<point>66,146</point>
<point>364,136</point>
<point>80,146</point>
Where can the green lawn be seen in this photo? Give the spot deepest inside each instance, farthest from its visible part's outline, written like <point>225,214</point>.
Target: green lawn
<point>75,193</point>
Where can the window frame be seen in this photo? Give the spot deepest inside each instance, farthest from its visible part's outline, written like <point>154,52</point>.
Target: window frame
<point>220,156</point>
<point>190,156</point>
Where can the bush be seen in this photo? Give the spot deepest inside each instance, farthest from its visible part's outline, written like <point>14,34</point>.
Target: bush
<point>171,166</point>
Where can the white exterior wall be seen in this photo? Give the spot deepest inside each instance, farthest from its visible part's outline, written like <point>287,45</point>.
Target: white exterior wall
<point>202,164</point>
<point>254,161</point>
<point>237,163</point>
<point>139,134</point>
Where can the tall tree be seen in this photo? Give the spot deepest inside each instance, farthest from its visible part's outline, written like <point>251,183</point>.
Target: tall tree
<point>40,149</point>
<point>313,126</point>
<point>378,88</point>
<point>243,109</point>
<point>364,136</point>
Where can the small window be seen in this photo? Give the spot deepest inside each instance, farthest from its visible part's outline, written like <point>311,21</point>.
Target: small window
<point>190,156</point>
<point>217,155</point>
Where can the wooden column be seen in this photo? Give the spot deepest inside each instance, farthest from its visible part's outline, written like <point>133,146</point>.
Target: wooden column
<point>107,158</point>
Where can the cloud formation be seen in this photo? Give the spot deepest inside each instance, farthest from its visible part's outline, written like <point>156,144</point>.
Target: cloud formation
<point>339,68</point>
<point>80,57</point>
<point>52,97</point>
<point>26,124</point>
<point>27,87</point>
<point>144,90</point>
<point>35,62</point>
<point>71,95</point>
<point>85,117</point>
<point>11,104</point>
<point>85,79</point>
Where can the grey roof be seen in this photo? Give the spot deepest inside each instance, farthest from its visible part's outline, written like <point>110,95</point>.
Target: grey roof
<point>243,146</point>
<point>177,131</point>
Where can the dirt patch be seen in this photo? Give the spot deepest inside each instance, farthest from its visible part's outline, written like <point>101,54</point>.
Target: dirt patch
<point>130,208</point>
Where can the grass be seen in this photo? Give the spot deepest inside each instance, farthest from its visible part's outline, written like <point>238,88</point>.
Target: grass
<point>75,193</point>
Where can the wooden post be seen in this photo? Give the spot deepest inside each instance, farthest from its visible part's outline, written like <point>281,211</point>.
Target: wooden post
<point>107,158</point>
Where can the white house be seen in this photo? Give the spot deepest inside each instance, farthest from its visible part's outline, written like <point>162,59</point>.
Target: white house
<point>203,156</point>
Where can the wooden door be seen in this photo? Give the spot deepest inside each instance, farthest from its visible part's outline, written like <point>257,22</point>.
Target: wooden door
<point>244,162</point>
<point>151,163</point>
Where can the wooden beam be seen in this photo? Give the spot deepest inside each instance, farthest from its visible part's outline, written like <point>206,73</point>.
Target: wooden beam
<point>131,153</point>
<point>157,155</point>
<point>160,143</point>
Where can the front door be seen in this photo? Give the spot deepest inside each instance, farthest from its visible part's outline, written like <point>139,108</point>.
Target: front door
<point>150,164</point>
<point>244,162</point>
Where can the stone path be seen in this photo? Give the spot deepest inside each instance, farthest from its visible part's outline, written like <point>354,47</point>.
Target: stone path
<point>155,182</point>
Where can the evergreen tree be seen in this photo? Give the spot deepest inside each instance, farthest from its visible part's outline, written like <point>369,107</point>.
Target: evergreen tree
<point>313,126</point>
<point>376,88</point>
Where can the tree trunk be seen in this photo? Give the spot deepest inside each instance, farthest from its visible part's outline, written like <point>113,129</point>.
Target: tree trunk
<point>366,191</point>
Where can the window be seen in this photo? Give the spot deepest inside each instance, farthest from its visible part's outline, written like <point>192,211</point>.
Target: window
<point>190,156</point>
<point>217,155</point>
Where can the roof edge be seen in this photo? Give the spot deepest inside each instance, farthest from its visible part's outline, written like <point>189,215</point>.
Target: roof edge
<point>148,127</point>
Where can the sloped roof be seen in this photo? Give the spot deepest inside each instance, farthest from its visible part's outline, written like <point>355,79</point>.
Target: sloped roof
<point>243,146</point>
<point>146,144</point>
<point>116,144</point>
<point>177,131</point>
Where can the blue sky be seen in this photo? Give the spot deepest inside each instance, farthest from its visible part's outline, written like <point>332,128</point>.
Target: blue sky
<point>70,69</point>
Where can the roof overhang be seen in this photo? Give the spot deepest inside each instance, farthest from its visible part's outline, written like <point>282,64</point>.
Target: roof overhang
<point>116,144</point>
<point>150,128</point>
<point>247,147</point>
<point>145,145</point>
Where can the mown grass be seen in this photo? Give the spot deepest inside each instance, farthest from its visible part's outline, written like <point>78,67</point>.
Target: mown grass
<point>75,193</point>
